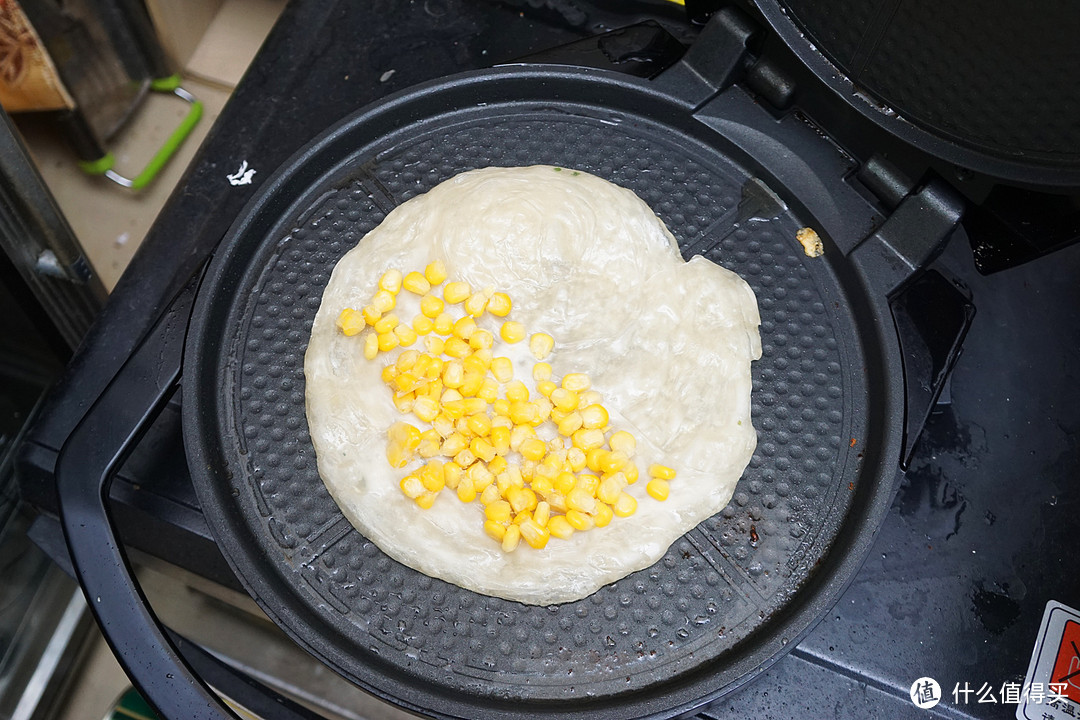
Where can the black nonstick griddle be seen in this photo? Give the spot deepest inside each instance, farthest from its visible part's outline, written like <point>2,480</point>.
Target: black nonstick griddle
<point>734,183</point>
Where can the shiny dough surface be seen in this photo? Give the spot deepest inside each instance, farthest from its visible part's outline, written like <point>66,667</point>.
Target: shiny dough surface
<point>668,343</point>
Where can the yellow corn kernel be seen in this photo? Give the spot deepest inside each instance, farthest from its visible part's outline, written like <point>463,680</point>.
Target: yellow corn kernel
<point>578,520</point>
<point>630,470</point>
<point>431,306</point>
<point>625,506</point>
<point>542,513</point>
<point>570,424</point>
<point>543,486</point>
<point>432,476</point>
<point>558,527</point>
<point>416,283</point>
<point>456,347</point>
<point>519,434</point>
<point>504,481</point>
<point>350,322</point>
<point>576,382</point>
<point>546,387</point>
<point>386,324</point>
<point>580,500</point>
<point>502,369</point>
<point>422,325</point>
<point>371,314</point>
<point>623,442</point>
<point>541,345</point>
<point>565,482</point>
<point>412,487</point>
<point>435,272</point>
<point>658,488</point>
<point>403,441</point>
<point>425,408</point>
<point>404,403</point>
<point>443,425</point>
<point>482,355</point>
<point>471,384</point>
<point>390,281</point>
<point>456,292</point>
<point>565,400</point>
<point>433,390</point>
<point>497,464</point>
<point>613,462</point>
<point>499,304</point>
<point>661,471</point>
<point>594,416</point>
<point>464,327</point>
<point>406,335</point>
<point>494,530</point>
<point>490,494</point>
<point>480,475</point>
<point>576,459</point>
<point>520,499</point>
<point>465,491</point>
<point>407,361</point>
<point>465,458</point>
<point>387,341</point>
<point>610,487</point>
<point>479,424</point>
<point>371,346</point>
<point>499,511</point>
<point>383,301</point>
<point>433,344</point>
<point>591,397</point>
<point>473,405</point>
<point>444,323</point>
<point>388,374</point>
<point>500,439</point>
<point>603,515</point>
<point>534,534</point>
<point>426,500</point>
<point>588,483</point>
<point>472,363</point>
<point>482,449</point>
<point>462,425</point>
<point>475,304</point>
<point>452,474</point>
<point>541,371</point>
<point>452,406</point>
<point>523,413</point>
<point>453,374</point>
<point>593,458</point>
<point>481,339</point>
<point>454,444</point>
<point>533,448</point>
<point>489,390</point>
<point>512,331</point>
<point>557,501</point>
<point>516,391</point>
<point>511,538</point>
<point>544,408</point>
<point>587,439</point>
<point>501,407</point>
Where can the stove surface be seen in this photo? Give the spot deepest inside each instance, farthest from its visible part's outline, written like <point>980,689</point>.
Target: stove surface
<point>981,535</point>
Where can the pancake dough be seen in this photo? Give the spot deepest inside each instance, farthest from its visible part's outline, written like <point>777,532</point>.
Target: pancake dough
<point>668,343</point>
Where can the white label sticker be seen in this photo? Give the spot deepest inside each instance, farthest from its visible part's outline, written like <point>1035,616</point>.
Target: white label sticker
<point>1052,686</point>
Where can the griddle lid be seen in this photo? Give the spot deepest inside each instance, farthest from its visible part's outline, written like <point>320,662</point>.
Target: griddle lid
<point>989,87</point>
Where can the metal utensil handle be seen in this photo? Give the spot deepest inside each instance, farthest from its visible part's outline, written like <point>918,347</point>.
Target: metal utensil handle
<point>85,469</point>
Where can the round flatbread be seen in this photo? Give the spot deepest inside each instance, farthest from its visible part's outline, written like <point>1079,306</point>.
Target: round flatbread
<point>667,343</point>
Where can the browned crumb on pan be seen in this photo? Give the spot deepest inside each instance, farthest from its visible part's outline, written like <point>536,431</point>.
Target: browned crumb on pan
<point>810,242</point>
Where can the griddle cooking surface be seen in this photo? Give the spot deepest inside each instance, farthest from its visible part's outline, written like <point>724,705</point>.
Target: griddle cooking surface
<point>712,589</point>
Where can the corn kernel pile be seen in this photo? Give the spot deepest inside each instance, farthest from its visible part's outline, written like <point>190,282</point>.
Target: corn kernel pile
<point>478,424</point>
